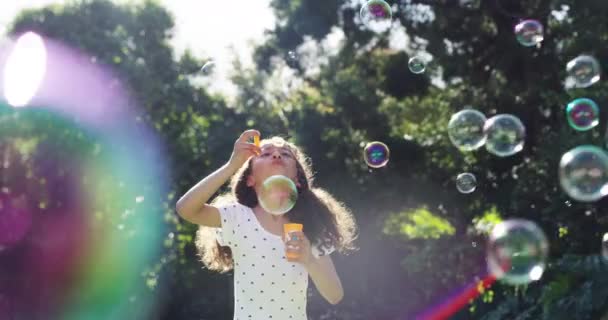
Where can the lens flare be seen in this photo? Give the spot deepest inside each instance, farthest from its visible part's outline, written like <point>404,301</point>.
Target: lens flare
<point>77,217</point>
<point>25,69</point>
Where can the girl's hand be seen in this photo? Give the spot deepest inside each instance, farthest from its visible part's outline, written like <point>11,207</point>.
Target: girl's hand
<point>243,149</point>
<point>297,244</point>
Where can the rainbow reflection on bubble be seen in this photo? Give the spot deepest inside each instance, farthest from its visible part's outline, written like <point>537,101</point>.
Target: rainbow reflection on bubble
<point>376,15</point>
<point>80,208</point>
<point>376,154</point>
<point>583,114</point>
<point>529,32</point>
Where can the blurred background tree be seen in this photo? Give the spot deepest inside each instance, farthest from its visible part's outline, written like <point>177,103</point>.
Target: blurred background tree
<point>419,238</point>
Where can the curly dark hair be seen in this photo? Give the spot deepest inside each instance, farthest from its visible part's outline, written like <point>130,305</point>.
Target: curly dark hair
<point>328,222</point>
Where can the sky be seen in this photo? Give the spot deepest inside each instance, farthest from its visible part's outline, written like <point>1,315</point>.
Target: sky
<point>198,27</point>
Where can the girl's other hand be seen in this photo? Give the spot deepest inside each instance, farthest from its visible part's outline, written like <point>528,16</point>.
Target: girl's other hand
<point>243,149</point>
<point>298,247</point>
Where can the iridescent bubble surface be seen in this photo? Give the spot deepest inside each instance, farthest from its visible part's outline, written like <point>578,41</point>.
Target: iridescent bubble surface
<point>466,182</point>
<point>376,15</point>
<point>278,194</point>
<point>465,129</point>
<point>416,65</point>
<point>583,173</point>
<point>505,135</point>
<point>517,251</point>
<point>292,59</point>
<point>376,154</point>
<point>583,71</point>
<point>529,32</point>
<point>583,114</point>
<point>208,68</point>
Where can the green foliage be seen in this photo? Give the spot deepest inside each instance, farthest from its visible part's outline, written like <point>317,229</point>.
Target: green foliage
<point>417,224</point>
<point>484,224</point>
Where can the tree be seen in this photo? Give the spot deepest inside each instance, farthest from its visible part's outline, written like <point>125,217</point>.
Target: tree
<point>476,56</point>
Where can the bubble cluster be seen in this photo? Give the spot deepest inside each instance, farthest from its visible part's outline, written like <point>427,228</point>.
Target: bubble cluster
<point>529,33</point>
<point>465,129</point>
<point>505,135</point>
<point>416,65</point>
<point>583,173</point>
<point>376,154</point>
<point>278,194</point>
<point>583,114</point>
<point>466,182</point>
<point>376,15</point>
<point>583,71</point>
<point>517,251</point>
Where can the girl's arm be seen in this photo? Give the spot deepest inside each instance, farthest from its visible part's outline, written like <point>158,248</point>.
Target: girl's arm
<point>193,206</point>
<point>323,274</point>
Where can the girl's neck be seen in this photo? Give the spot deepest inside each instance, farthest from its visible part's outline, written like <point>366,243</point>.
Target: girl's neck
<point>260,212</point>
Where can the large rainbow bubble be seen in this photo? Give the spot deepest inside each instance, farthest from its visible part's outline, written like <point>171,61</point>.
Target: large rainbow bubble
<point>81,192</point>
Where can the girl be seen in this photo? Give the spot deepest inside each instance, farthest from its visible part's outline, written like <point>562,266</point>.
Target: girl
<point>236,232</point>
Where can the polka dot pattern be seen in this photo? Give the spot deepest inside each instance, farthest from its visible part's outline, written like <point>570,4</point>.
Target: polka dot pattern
<point>267,286</point>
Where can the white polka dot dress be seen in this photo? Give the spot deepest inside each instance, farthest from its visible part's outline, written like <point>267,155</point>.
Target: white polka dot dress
<point>266,285</point>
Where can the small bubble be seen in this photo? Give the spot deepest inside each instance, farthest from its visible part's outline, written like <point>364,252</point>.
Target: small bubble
<point>529,33</point>
<point>505,135</point>
<point>376,154</point>
<point>208,68</point>
<point>416,65</point>
<point>466,182</point>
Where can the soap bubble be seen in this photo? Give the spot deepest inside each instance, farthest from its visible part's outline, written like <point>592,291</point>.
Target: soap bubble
<point>292,59</point>
<point>208,68</point>
<point>583,114</point>
<point>466,182</point>
<point>529,33</point>
<point>416,65</point>
<point>278,195</point>
<point>505,135</point>
<point>465,129</point>
<point>470,4</point>
<point>583,71</point>
<point>517,250</point>
<point>377,15</point>
<point>376,154</point>
<point>583,173</point>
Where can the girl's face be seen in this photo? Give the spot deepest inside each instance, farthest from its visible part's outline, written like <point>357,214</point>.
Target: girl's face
<point>273,160</point>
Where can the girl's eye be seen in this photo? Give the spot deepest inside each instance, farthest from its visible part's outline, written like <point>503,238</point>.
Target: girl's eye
<point>265,154</point>
<point>286,154</point>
